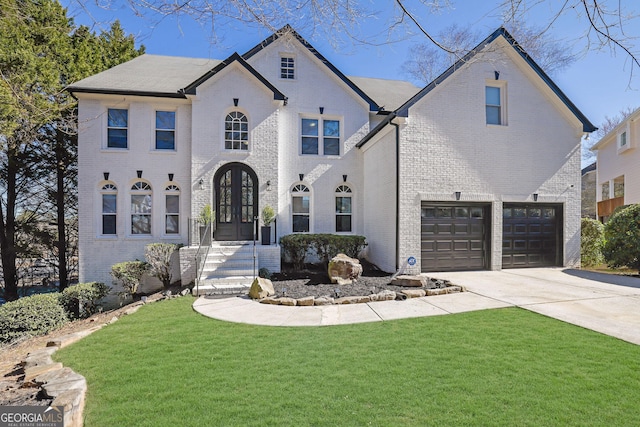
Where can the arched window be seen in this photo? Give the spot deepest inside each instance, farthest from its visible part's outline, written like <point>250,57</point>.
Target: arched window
<point>141,208</point>
<point>172,209</point>
<point>344,209</point>
<point>300,202</point>
<point>236,131</point>
<point>109,193</point>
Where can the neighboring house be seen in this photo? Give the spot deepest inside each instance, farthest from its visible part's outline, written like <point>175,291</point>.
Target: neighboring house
<point>618,158</point>
<point>478,170</point>
<point>588,185</point>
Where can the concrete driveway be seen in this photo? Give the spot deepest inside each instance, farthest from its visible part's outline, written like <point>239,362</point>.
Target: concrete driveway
<point>605,303</point>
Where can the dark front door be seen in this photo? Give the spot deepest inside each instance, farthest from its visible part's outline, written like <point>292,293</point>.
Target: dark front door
<point>236,196</point>
<point>532,235</point>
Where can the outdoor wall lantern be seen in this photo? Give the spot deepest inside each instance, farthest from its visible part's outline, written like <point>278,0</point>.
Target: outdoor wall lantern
<point>201,184</point>
<point>268,185</point>
<point>139,173</point>
<point>301,176</point>
<point>458,193</point>
<point>106,175</point>
<point>344,178</point>
<point>235,101</point>
<point>321,110</point>
<point>497,74</point>
<point>170,177</point>
<point>535,197</point>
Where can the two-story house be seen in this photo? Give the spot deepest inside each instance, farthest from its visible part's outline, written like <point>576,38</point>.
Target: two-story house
<point>618,158</point>
<point>478,170</point>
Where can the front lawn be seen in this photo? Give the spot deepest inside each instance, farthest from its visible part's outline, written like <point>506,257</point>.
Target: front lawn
<point>169,366</point>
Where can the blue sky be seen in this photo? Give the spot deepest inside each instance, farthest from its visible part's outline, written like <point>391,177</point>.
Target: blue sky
<point>600,83</point>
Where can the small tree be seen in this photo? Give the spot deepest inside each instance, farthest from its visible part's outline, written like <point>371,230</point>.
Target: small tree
<point>158,255</point>
<point>592,240</point>
<point>268,215</point>
<point>622,238</point>
<point>129,273</point>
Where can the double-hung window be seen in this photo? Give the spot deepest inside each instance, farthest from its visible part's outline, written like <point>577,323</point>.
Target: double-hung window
<point>165,130</point>
<point>325,141</point>
<point>141,208</point>
<point>172,210</point>
<point>343,209</point>
<point>117,126</point>
<point>301,209</point>
<point>109,209</point>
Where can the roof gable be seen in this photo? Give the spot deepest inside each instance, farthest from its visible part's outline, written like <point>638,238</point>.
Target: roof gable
<point>190,89</point>
<point>288,30</point>
<point>587,126</point>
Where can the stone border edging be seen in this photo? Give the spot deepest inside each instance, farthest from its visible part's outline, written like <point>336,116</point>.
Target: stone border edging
<point>66,387</point>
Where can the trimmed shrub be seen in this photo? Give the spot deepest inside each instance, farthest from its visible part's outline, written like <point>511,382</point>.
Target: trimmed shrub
<point>265,273</point>
<point>129,273</point>
<point>622,238</point>
<point>158,256</point>
<point>592,241</point>
<point>80,301</point>
<point>31,316</point>
<point>296,246</point>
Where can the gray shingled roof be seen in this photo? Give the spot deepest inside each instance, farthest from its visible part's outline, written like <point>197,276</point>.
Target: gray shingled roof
<point>389,94</point>
<point>147,74</point>
<point>156,74</point>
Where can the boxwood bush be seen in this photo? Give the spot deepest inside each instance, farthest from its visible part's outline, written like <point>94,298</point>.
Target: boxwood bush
<point>592,240</point>
<point>622,238</point>
<point>80,301</point>
<point>296,247</point>
<point>31,316</point>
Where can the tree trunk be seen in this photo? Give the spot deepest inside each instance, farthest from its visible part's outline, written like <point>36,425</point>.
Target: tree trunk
<point>60,209</point>
<point>8,231</point>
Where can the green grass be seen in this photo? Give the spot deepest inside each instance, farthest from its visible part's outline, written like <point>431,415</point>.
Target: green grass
<point>168,366</point>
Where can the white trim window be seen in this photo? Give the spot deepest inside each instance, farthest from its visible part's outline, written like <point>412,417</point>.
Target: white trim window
<point>165,130</point>
<point>287,67</point>
<point>172,210</point>
<point>141,197</point>
<point>623,139</point>
<point>344,209</point>
<point>109,215</point>
<point>117,127</point>
<point>495,102</point>
<point>236,131</point>
<point>301,208</point>
<point>311,137</point>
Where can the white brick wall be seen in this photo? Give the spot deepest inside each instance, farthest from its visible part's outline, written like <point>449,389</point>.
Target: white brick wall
<point>537,152</point>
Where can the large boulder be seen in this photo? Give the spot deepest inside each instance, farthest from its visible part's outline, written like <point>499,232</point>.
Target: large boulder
<point>343,270</point>
<point>410,281</point>
<point>261,288</point>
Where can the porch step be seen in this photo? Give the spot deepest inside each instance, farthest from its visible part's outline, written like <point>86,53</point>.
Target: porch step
<point>228,269</point>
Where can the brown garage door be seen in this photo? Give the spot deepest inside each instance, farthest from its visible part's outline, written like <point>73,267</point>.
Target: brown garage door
<point>532,235</point>
<point>455,237</point>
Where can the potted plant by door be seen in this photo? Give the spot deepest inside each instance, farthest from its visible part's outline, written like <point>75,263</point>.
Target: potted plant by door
<point>268,215</point>
<point>204,221</point>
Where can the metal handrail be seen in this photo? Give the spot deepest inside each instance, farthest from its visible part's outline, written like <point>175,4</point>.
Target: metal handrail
<point>200,268</point>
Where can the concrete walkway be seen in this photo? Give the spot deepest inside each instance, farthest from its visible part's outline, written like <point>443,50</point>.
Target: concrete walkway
<point>604,303</point>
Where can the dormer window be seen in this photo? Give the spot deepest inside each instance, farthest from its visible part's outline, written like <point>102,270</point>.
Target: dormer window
<point>287,67</point>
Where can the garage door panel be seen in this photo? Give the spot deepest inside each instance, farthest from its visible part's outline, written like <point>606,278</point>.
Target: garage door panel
<point>532,235</point>
<point>458,240</point>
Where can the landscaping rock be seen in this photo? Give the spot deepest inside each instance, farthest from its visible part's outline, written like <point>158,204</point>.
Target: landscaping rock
<point>343,270</point>
<point>386,295</point>
<point>270,300</point>
<point>414,293</point>
<point>436,283</point>
<point>287,301</point>
<point>453,289</point>
<point>33,372</point>
<point>410,281</point>
<point>306,301</point>
<point>261,288</point>
<point>353,300</point>
<point>185,291</point>
<point>431,292</point>
<point>400,296</point>
<point>324,300</point>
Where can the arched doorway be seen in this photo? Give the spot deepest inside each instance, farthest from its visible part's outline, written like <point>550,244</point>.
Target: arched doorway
<point>236,195</point>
